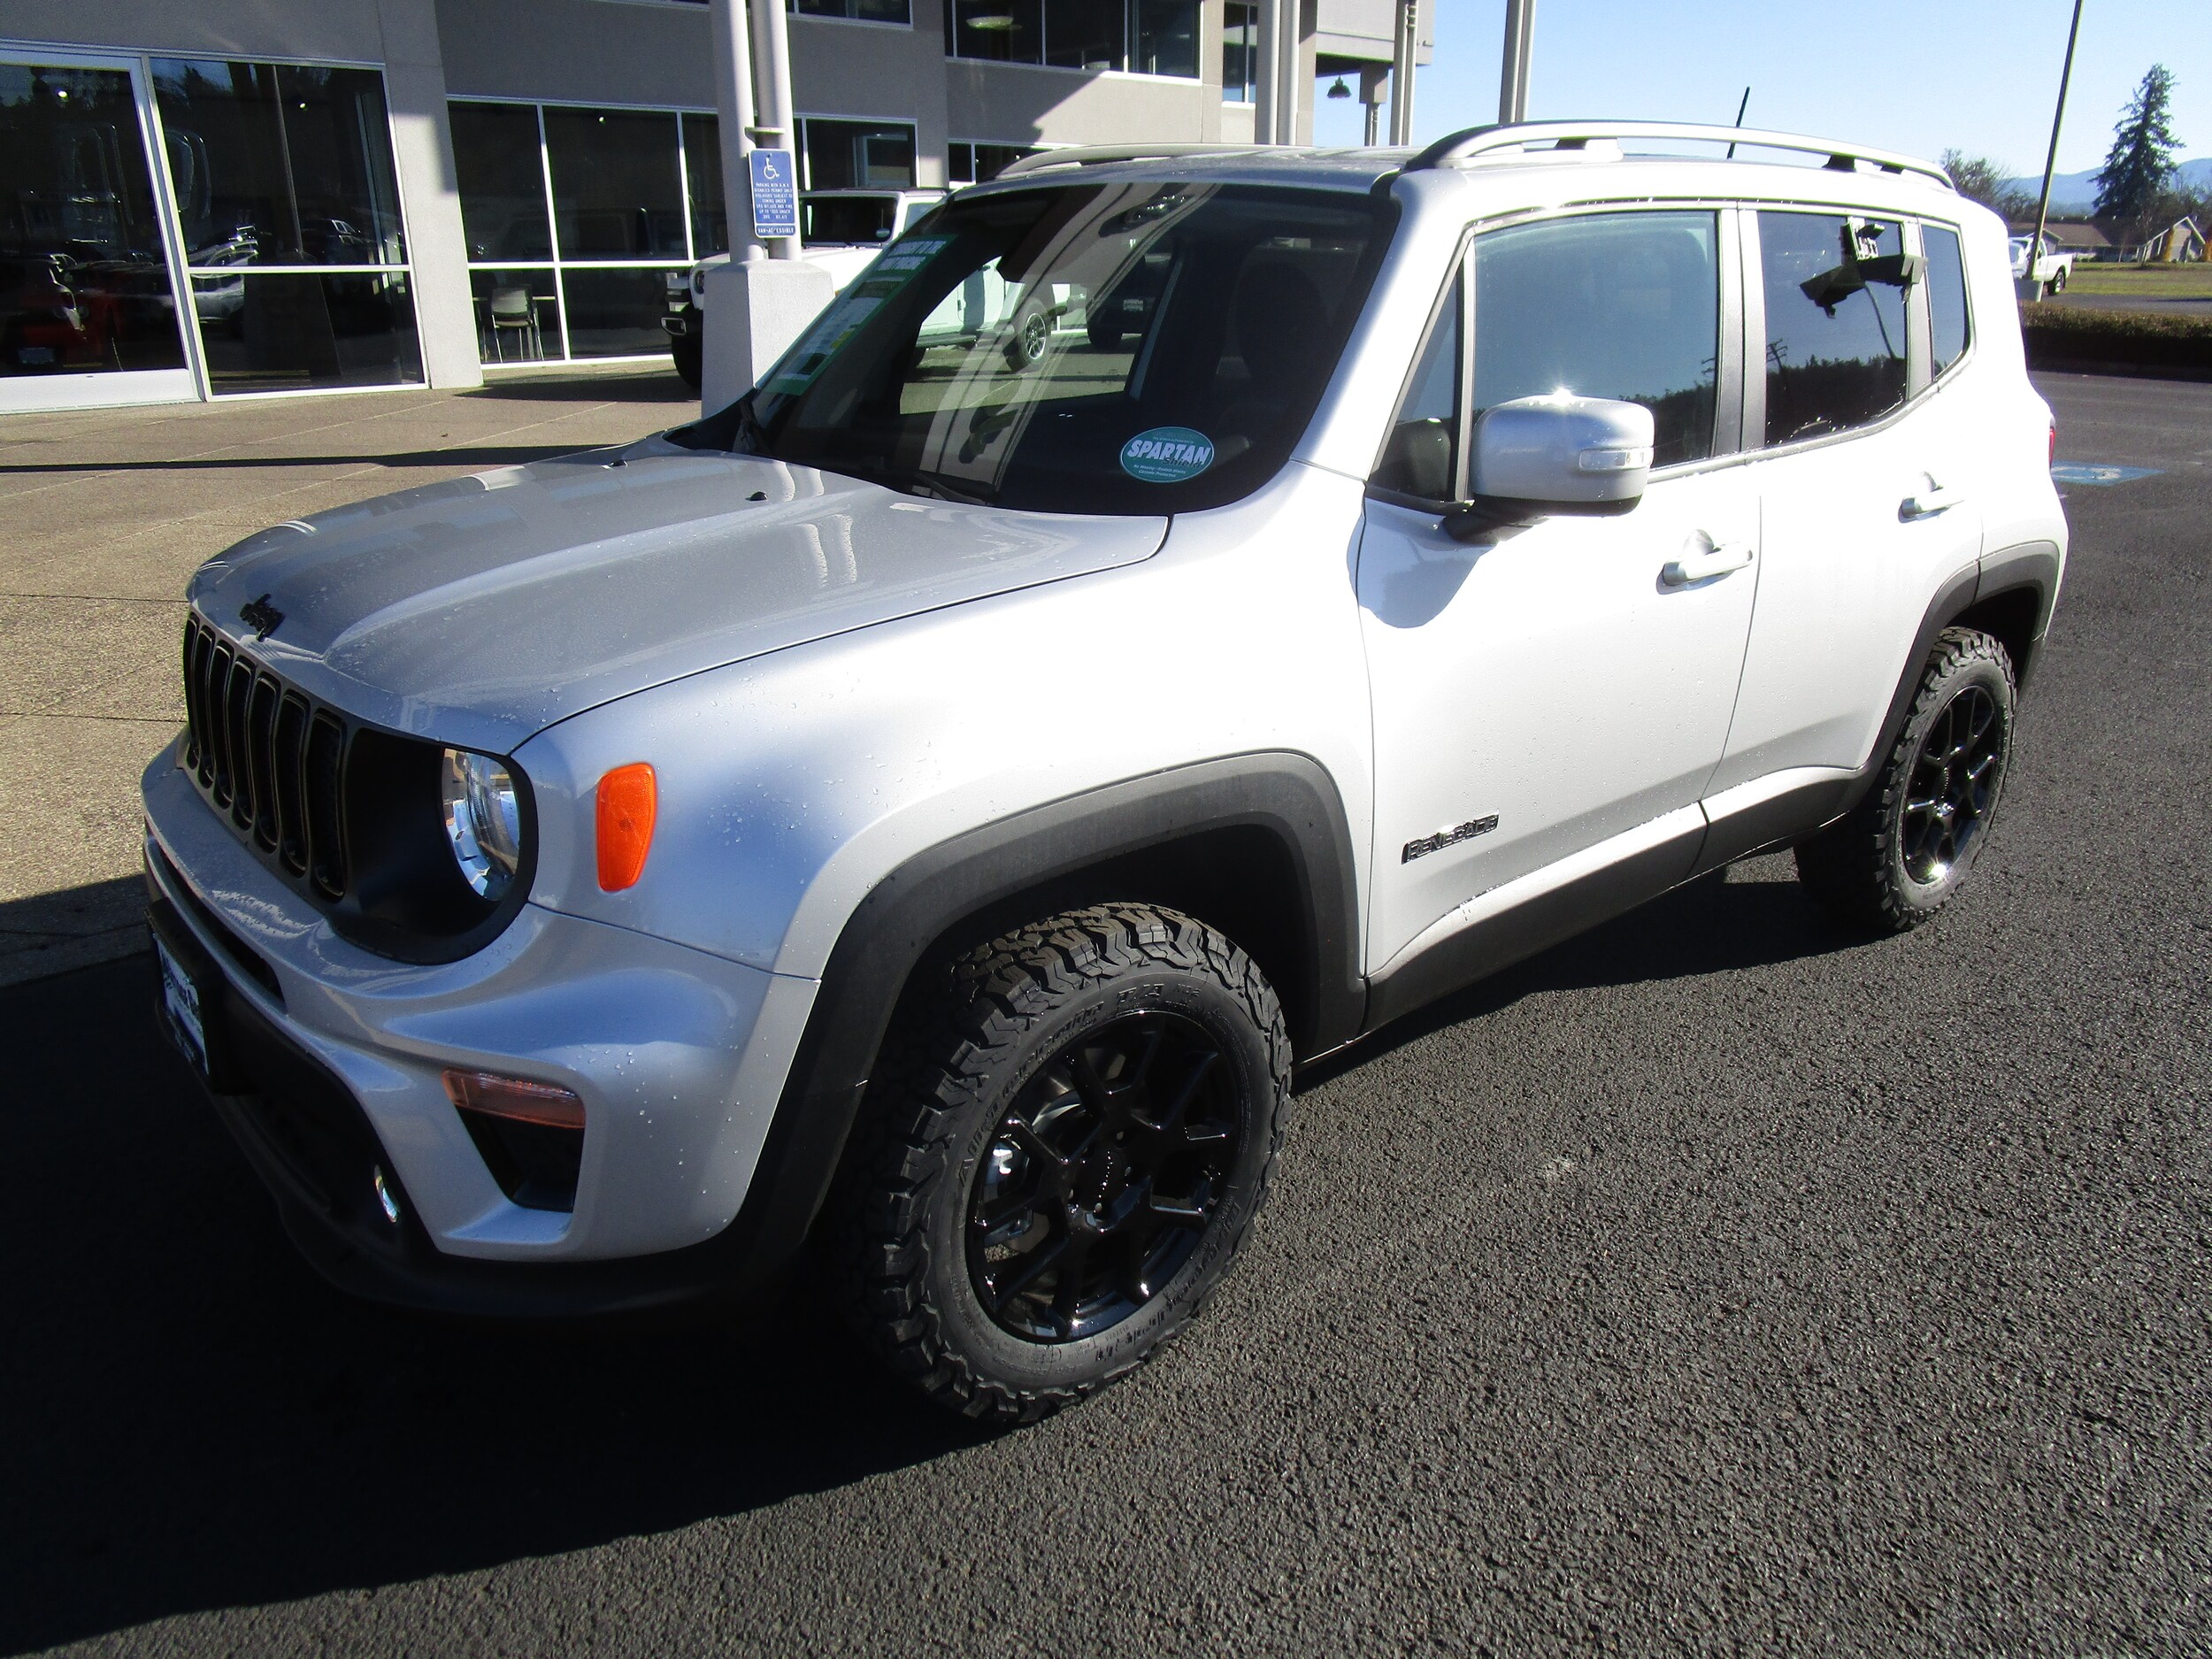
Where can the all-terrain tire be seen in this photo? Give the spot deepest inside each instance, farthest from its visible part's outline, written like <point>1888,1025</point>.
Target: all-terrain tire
<point>1896,858</point>
<point>986,1035</point>
<point>687,353</point>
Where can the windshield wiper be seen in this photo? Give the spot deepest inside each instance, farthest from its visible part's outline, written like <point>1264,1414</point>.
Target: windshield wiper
<point>936,484</point>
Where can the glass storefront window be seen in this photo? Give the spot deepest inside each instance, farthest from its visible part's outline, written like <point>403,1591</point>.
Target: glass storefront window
<point>1092,35</point>
<point>636,197</point>
<point>858,156</point>
<point>968,162</point>
<point>859,11</point>
<point>502,179</point>
<point>276,165</point>
<point>84,284</point>
<point>1239,51</point>
<point>265,332</point>
<point>702,169</point>
<point>517,315</point>
<point>615,314</point>
<point>1166,37</point>
<point>616,189</point>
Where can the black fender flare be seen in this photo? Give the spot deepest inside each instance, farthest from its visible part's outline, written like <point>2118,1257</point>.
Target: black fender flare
<point>1288,795</point>
<point>2032,565</point>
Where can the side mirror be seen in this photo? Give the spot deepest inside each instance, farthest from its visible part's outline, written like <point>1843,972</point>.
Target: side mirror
<point>1536,458</point>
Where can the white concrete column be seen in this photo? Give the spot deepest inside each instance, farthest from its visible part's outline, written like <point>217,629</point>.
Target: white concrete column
<point>429,194</point>
<point>733,96</point>
<point>779,124</point>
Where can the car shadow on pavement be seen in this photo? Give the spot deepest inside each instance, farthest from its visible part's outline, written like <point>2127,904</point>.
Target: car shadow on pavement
<point>195,1421</point>
<point>646,387</point>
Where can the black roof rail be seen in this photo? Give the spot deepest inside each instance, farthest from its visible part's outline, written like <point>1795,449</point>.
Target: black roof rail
<point>1476,142</point>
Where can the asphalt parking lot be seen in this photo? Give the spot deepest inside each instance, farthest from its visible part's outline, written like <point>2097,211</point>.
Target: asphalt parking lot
<point>1717,1282</point>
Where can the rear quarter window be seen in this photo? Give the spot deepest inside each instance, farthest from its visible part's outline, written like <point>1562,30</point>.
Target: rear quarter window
<point>1948,323</point>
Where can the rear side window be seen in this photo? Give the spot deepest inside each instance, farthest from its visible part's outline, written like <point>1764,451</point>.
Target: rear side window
<point>1624,305</point>
<point>1835,309</point>
<point>1946,295</point>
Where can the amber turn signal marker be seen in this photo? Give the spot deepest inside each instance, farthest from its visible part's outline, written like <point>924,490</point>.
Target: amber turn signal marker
<point>514,1097</point>
<point>629,797</point>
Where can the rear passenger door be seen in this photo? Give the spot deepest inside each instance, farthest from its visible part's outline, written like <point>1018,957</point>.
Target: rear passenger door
<point>1865,477</point>
<point>1542,692</point>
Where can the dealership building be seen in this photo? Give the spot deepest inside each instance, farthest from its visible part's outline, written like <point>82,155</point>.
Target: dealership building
<point>243,198</point>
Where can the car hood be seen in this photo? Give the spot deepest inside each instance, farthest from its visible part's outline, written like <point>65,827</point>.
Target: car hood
<point>482,610</point>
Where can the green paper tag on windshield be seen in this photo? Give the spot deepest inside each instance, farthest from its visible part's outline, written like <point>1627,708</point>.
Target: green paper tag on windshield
<point>1167,455</point>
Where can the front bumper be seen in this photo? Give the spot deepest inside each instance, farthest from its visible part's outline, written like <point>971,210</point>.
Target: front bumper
<point>679,1056</point>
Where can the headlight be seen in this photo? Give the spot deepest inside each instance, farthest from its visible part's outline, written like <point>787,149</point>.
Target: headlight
<point>483,820</point>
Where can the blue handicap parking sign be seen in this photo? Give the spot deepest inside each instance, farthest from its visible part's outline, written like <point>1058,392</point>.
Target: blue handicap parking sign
<point>775,194</point>
<point>2096,472</point>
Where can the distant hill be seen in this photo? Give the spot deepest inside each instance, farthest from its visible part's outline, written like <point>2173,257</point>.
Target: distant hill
<point>2074,194</point>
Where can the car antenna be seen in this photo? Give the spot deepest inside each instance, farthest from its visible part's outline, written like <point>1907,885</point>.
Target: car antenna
<point>1740,108</point>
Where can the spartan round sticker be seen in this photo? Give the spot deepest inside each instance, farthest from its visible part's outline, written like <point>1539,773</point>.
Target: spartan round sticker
<point>1167,455</point>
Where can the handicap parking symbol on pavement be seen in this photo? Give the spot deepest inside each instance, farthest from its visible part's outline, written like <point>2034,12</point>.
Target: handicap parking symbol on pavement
<point>2094,472</point>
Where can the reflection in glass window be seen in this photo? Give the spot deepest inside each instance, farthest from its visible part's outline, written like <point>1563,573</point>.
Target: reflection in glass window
<point>702,168</point>
<point>616,190</point>
<point>1946,295</point>
<point>1422,457</point>
<point>964,364</point>
<point>1624,305</point>
<point>857,154</point>
<point>502,179</point>
<point>264,332</point>
<point>275,164</point>
<point>83,284</point>
<point>998,31</point>
<point>1835,305</point>
<point>979,164</point>
<point>1239,52</point>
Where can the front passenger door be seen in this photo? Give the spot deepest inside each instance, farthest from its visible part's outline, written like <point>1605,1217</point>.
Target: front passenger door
<point>1542,692</point>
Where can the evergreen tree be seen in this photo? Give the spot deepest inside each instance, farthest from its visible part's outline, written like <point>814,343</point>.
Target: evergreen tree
<point>2141,163</point>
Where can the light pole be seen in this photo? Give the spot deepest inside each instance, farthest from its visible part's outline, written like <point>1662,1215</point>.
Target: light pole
<point>2030,286</point>
<point>1520,35</point>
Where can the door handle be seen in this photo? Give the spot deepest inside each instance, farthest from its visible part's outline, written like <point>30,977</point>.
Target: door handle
<point>1718,560</point>
<point>1928,503</point>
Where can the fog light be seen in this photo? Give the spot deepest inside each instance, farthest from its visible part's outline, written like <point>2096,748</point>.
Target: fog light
<point>384,1197</point>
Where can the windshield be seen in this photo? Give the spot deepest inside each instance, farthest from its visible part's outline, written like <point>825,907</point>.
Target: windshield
<point>1097,348</point>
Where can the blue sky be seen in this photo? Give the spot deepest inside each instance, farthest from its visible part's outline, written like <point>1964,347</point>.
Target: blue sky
<point>1915,75</point>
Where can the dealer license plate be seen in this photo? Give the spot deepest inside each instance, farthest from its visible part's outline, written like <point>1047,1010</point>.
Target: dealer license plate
<point>181,1002</point>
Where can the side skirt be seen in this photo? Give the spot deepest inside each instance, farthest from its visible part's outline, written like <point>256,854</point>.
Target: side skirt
<point>1515,922</point>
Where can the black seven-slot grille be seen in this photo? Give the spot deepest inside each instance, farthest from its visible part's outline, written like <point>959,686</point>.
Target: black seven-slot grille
<point>267,756</point>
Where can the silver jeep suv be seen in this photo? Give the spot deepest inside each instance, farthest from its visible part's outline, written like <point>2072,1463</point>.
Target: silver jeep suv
<point>919,815</point>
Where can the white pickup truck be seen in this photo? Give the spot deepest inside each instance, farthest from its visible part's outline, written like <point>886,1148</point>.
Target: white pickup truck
<point>2052,267</point>
<point>842,230</point>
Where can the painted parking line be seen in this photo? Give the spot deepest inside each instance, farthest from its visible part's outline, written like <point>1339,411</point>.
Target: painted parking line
<point>2096,472</point>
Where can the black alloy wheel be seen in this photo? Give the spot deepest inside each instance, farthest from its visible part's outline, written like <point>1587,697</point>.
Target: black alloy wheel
<point>1955,780</point>
<point>1070,1132</point>
<point>1895,859</point>
<point>1102,1177</point>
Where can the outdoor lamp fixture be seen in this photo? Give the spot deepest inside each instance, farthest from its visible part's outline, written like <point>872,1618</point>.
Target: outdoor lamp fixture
<point>994,20</point>
<point>1339,91</point>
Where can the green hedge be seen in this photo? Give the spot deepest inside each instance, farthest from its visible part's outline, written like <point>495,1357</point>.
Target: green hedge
<point>2058,335</point>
